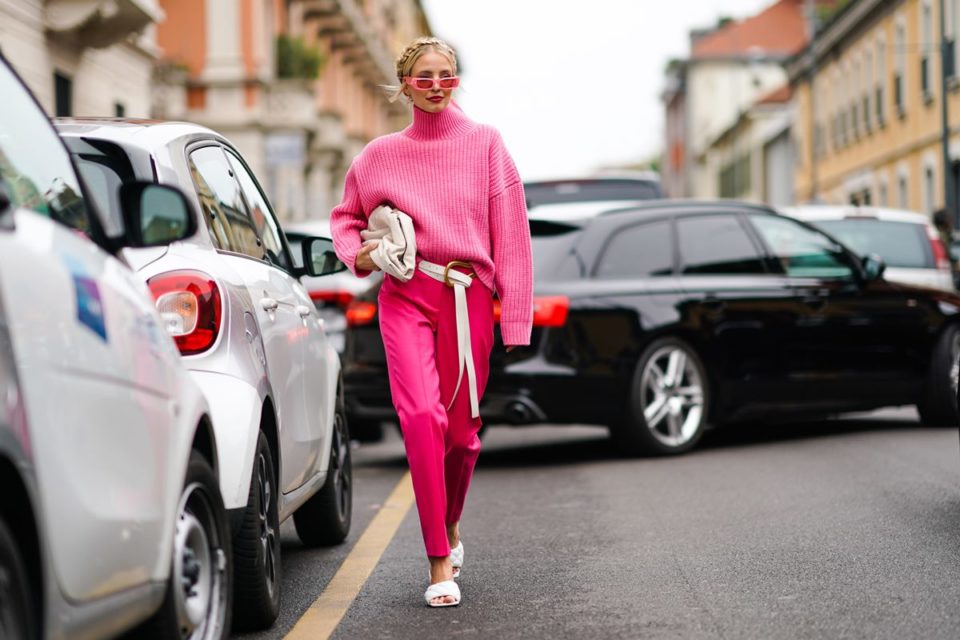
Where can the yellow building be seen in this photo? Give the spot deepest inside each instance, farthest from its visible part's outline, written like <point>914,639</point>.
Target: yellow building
<point>868,105</point>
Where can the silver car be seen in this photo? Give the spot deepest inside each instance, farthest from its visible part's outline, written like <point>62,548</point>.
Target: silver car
<point>249,333</point>
<point>110,508</point>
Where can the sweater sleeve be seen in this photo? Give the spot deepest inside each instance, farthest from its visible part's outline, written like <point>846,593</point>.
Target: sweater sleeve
<point>510,239</point>
<point>347,219</point>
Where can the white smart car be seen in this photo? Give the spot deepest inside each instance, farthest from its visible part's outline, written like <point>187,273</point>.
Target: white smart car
<point>110,508</point>
<point>906,240</point>
<point>249,333</point>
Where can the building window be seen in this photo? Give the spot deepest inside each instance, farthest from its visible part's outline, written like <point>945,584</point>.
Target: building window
<point>62,94</point>
<point>902,199</point>
<point>854,91</point>
<point>867,88</point>
<point>119,110</point>
<point>900,67</point>
<point>882,197</point>
<point>926,51</point>
<point>928,189</point>
<point>881,80</point>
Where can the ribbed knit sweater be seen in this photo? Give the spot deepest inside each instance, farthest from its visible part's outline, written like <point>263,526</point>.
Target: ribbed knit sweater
<point>456,180</point>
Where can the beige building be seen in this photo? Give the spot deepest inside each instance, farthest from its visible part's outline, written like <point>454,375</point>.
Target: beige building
<point>83,57</point>
<point>295,84</point>
<point>868,104</point>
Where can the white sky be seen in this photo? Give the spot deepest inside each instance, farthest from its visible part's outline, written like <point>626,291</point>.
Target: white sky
<point>572,85</point>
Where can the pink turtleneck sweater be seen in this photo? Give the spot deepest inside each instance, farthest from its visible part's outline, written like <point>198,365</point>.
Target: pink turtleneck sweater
<point>456,180</point>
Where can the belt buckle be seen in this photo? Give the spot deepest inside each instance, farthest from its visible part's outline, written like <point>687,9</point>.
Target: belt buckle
<point>455,263</point>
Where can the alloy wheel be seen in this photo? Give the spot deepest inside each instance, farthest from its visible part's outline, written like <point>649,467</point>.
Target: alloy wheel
<point>671,396</point>
<point>199,568</point>
<point>268,534</point>
<point>340,466</point>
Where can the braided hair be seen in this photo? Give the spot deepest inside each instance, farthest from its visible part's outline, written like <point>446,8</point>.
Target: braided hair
<point>409,56</point>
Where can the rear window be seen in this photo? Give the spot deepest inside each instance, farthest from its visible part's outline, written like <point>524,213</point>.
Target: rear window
<point>540,193</point>
<point>551,244</point>
<point>900,244</point>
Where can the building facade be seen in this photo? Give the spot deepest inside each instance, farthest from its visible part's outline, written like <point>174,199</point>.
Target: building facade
<point>83,57</point>
<point>296,85</point>
<point>728,70</point>
<point>868,100</point>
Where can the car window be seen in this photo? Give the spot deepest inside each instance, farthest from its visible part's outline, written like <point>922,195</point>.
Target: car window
<point>900,244</point>
<point>717,244</point>
<point>643,250</point>
<point>34,166</point>
<point>262,214</point>
<point>801,251</point>
<point>223,208</point>
<point>104,168</point>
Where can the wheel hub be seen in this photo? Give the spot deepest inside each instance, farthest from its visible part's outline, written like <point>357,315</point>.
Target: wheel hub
<point>193,572</point>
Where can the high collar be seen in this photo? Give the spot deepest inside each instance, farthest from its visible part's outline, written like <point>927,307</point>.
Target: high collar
<point>452,122</point>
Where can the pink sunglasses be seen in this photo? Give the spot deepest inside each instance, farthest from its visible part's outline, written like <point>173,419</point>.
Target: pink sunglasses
<point>425,84</point>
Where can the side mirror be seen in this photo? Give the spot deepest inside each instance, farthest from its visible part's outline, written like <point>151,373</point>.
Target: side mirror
<point>6,210</point>
<point>155,215</point>
<point>319,258</point>
<point>873,267</point>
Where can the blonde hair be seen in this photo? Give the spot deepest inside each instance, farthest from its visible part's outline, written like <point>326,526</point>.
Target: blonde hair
<point>409,56</point>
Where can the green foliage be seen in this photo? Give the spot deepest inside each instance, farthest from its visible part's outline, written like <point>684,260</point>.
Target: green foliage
<point>297,59</point>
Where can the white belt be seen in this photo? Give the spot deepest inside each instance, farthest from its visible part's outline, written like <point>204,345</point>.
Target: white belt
<point>459,281</point>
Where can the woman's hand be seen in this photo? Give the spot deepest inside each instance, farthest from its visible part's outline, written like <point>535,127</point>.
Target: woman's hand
<point>364,262</point>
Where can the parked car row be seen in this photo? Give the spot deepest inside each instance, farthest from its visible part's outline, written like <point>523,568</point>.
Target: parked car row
<point>168,395</point>
<point>664,317</point>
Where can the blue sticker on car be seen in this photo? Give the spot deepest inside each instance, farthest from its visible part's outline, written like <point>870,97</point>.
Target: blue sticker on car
<point>90,305</point>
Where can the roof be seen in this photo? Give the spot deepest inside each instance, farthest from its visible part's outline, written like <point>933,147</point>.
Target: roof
<point>779,30</point>
<point>816,212</point>
<point>780,95</point>
<point>146,134</point>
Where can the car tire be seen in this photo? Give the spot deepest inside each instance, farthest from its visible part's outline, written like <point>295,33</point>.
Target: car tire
<point>201,554</point>
<point>664,416</point>
<point>938,405</point>
<point>17,606</point>
<point>324,520</point>
<point>366,430</point>
<point>256,547</point>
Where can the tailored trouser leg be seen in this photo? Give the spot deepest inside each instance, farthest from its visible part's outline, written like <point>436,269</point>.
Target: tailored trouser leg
<point>418,325</point>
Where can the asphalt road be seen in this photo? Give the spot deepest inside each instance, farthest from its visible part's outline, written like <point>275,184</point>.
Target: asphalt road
<point>847,528</point>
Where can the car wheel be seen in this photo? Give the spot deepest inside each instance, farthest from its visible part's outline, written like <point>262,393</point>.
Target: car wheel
<point>197,604</point>
<point>17,613</point>
<point>938,405</point>
<point>256,547</point>
<point>324,520</point>
<point>667,408</point>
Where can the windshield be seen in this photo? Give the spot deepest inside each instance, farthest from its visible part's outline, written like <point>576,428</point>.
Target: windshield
<point>900,244</point>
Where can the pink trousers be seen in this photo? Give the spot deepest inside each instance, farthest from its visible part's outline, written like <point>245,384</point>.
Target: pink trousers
<point>418,324</point>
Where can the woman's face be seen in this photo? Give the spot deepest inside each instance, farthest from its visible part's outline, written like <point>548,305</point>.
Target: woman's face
<point>430,65</point>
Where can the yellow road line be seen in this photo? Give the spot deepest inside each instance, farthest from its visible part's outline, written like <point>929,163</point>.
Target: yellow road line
<point>323,616</point>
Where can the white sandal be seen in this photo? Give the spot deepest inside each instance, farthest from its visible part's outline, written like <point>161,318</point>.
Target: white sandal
<point>442,590</point>
<point>456,559</point>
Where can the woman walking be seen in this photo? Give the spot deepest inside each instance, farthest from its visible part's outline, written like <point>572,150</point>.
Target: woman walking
<point>457,182</point>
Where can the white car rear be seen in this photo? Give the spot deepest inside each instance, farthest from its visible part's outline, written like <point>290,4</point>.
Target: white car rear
<point>907,241</point>
<point>250,335</point>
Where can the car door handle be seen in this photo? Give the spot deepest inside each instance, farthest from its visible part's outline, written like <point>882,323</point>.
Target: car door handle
<point>303,310</point>
<point>269,304</point>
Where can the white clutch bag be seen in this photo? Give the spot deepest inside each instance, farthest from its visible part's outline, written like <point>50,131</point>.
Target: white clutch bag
<point>396,254</point>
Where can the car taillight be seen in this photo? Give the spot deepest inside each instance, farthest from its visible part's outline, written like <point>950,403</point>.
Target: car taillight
<point>190,307</point>
<point>940,257</point>
<point>340,298</point>
<point>360,313</point>
<point>548,311</point>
